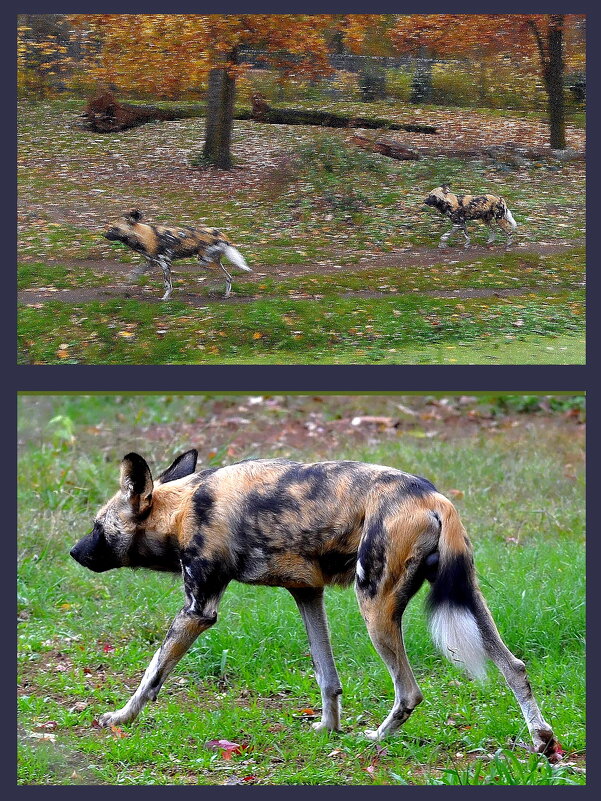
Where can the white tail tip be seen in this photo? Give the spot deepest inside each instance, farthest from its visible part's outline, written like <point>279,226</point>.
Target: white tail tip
<point>456,633</point>
<point>509,218</point>
<point>234,255</point>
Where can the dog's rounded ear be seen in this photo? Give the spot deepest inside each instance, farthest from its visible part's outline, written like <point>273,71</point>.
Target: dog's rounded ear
<point>135,215</point>
<point>446,189</point>
<point>136,482</point>
<point>183,466</point>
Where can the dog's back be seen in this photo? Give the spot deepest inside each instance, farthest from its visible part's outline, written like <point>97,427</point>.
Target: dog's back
<point>283,523</point>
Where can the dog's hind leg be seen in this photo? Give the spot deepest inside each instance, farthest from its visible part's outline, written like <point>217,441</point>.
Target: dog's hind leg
<point>187,625</point>
<point>311,608</point>
<point>514,672</point>
<point>383,619</point>
<point>165,263</point>
<point>508,227</point>
<point>491,234</point>
<point>228,279</point>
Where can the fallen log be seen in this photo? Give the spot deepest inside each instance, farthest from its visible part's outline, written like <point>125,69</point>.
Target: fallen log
<point>387,147</point>
<point>326,119</point>
<point>105,114</point>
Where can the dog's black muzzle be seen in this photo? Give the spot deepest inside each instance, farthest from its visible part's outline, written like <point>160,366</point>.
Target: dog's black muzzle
<point>93,552</point>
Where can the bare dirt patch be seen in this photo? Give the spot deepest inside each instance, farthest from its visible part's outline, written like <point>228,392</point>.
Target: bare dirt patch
<point>403,259</point>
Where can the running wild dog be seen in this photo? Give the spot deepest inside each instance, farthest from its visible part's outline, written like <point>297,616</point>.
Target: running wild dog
<point>160,245</point>
<point>304,526</point>
<point>461,208</point>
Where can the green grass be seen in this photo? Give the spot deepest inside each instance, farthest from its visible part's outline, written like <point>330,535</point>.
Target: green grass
<point>499,271</point>
<point>279,331</point>
<point>88,638</point>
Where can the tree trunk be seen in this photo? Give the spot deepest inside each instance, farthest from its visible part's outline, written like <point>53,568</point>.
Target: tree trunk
<point>421,84</point>
<point>554,75</point>
<point>220,118</point>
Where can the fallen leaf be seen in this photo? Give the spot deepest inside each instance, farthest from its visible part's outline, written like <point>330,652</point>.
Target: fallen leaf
<point>39,736</point>
<point>226,747</point>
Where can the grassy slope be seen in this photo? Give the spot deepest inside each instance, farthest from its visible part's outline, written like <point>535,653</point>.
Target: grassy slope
<point>365,330</point>
<point>88,638</point>
<point>301,197</point>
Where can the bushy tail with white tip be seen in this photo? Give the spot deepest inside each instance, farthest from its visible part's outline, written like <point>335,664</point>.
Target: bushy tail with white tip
<point>234,255</point>
<point>509,216</point>
<point>454,598</point>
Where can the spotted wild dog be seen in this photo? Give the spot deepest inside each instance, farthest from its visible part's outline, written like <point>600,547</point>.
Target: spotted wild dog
<point>161,244</point>
<point>461,208</point>
<point>304,526</point>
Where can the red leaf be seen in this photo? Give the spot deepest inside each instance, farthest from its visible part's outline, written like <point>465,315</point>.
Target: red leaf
<point>226,747</point>
<point>107,647</point>
<point>50,725</point>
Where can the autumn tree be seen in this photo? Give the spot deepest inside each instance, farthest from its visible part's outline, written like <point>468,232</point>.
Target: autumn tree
<point>165,53</point>
<point>481,35</point>
<point>44,52</point>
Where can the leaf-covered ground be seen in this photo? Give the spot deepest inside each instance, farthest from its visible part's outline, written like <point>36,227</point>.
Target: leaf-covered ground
<point>238,708</point>
<point>298,197</point>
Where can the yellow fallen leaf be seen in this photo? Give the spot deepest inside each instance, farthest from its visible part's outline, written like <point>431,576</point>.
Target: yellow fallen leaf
<point>257,335</point>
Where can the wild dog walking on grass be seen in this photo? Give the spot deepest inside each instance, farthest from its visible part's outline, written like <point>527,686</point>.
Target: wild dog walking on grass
<point>461,208</point>
<point>304,526</point>
<point>161,244</point>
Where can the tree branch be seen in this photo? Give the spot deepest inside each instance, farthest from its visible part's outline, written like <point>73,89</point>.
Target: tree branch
<point>539,41</point>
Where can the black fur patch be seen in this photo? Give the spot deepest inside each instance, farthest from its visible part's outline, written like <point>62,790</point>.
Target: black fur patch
<point>453,584</point>
<point>372,555</point>
<point>203,501</point>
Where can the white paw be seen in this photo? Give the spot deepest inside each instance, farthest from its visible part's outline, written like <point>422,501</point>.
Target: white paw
<point>112,719</point>
<point>372,734</point>
<point>166,296</point>
<point>323,726</point>
<point>442,245</point>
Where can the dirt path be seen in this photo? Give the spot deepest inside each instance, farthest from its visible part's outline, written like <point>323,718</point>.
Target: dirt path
<point>406,258</point>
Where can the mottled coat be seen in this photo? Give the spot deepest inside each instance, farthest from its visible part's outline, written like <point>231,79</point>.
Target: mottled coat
<point>162,244</point>
<point>305,526</point>
<point>461,208</point>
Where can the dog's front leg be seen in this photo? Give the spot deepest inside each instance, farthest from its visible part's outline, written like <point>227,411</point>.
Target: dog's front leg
<point>311,608</point>
<point>186,627</point>
<point>445,237</point>
<point>165,262</point>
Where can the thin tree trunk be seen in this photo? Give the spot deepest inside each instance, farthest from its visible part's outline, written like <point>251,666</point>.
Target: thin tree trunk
<point>220,118</point>
<point>552,64</point>
<point>554,83</point>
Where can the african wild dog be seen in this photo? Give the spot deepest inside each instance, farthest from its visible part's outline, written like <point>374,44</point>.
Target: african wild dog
<point>304,526</point>
<point>461,208</point>
<point>160,244</point>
